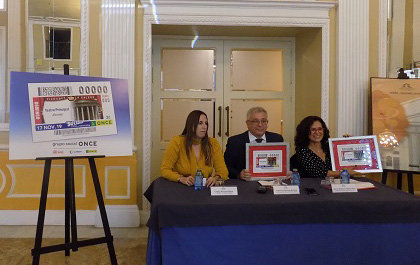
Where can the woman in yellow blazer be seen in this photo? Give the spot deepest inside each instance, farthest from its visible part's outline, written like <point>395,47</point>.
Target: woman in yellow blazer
<point>193,150</point>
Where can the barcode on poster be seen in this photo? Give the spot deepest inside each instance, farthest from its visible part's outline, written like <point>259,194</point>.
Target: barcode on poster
<point>54,91</point>
<point>75,131</point>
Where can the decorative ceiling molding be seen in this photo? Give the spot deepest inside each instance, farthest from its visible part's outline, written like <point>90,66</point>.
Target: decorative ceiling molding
<point>260,4</point>
<point>221,8</point>
<point>54,19</point>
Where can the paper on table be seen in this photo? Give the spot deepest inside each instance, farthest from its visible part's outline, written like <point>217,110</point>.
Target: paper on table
<point>360,185</point>
<point>266,182</point>
<point>271,183</point>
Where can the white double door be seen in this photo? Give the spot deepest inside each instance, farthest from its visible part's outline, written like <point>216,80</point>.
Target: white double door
<point>223,78</point>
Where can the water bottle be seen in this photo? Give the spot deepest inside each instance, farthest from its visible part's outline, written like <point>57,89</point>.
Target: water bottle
<point>198,182</point>
<point>344,177</point>
<point>295,178</point>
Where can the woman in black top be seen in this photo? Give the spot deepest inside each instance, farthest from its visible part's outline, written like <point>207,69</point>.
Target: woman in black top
<point>312,158</point>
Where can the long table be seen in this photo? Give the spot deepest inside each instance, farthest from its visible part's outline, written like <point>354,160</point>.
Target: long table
<point>379,226</point>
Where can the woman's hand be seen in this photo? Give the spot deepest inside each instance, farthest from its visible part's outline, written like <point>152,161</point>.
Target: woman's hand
<point>288,174</point>
<point>189,180</point>
<point>354,173</point>
<point>211,181</point>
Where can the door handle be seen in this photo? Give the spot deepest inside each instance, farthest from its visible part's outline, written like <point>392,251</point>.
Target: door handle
<point>219,133</point>
<point>227,119</point>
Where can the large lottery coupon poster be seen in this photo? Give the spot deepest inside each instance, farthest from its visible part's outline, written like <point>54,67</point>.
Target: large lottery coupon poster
<point>396,121</point>
<point>61,116</point>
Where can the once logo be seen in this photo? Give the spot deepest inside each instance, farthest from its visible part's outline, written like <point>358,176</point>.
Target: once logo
<point>104,122</point>
<point>88,143</point>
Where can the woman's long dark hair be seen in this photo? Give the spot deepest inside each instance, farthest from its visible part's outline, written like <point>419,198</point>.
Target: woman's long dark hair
<point>189,132</point>
<point>304,129</point>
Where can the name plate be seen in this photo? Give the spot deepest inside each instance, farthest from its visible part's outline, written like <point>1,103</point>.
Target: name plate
<point>224,190</point>
<point>281,190</point>
<point>342,188</point>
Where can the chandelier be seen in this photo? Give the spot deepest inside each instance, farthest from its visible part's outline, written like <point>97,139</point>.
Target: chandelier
<point>388,139</point>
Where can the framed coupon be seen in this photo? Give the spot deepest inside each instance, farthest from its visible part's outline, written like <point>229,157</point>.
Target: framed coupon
<point>266,161</point>
<point>357,153</point>
<point>71,110</point>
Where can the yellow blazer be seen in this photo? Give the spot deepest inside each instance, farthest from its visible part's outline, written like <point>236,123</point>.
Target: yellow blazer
<point>176,163</point>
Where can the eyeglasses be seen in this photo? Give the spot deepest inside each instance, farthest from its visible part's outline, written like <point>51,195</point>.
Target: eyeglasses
<point>256,122</point>
<point>314,130</point>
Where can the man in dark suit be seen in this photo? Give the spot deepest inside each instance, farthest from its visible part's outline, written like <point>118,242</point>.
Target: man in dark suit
<point>235,155</point>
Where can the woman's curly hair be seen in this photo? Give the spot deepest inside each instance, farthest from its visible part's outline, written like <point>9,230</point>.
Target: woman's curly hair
<point>304,129</point>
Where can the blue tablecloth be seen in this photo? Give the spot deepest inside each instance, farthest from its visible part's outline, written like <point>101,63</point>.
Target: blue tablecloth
<point>199,241</point>
<point>307,244</point>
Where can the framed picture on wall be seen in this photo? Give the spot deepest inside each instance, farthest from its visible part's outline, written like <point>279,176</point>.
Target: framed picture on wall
<point>267,161</point>
<point>356,153</point>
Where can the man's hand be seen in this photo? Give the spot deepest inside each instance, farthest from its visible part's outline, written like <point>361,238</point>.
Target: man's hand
<point>244,175</point>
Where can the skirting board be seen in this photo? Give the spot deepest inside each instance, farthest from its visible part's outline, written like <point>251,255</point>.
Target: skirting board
<point>118,216</point>
<point>144,217</point>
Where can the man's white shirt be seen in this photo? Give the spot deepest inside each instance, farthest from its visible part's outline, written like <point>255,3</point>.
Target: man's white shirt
<point>252,138</point>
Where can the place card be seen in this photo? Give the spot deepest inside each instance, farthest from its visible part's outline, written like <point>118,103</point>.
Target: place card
<point>224,190</point>
<point>283,190</point>
<point>343,188</point>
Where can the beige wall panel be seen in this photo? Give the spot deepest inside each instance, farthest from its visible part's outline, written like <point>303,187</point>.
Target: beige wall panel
<point>29,185</point>
<point>257,70</point>
<point>408,36</point>
<point>54,8</point>
<point>396,47</point>
<point>373,48</point>
<point>4,138</point>
<point>118,182</point>
<point>187,69</point>
<point>3,18</point>
<point>416,30</point>
<point>138,102</point>
<point>333,72</point>
<point>26,177</point>
<point>373,37</point>
<point>308,74</point>
<point>175,112</point>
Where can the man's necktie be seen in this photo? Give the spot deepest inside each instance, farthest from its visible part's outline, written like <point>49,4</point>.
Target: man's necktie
<point>259,140</point>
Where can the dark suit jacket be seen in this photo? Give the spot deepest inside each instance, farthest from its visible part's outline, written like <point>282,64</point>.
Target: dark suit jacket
<point>235,155</point>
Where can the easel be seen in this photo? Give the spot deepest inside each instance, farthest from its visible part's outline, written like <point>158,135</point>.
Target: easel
<point>399,178</point>
<point>70,213</point>
<point>70,210</point>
